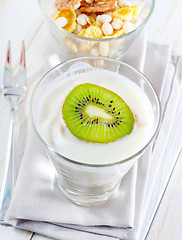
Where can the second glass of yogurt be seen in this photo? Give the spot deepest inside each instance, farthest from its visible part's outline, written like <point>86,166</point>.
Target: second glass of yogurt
<point>90,173</point>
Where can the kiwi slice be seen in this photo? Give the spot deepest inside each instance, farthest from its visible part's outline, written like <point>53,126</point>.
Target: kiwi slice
<point>96,114</point>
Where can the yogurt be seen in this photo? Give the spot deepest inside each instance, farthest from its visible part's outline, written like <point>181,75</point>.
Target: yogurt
<point>57,135</point>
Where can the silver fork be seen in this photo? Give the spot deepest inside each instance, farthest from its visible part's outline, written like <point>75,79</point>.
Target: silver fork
<point>14,91</point>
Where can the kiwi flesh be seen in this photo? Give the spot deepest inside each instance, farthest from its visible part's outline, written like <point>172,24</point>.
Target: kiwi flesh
<point>96,114</point>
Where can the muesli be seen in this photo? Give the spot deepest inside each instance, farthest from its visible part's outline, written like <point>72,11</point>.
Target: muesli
<point>97,19</point>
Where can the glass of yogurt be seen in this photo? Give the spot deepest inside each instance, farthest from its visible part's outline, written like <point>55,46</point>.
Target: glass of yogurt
<point>90,173</point>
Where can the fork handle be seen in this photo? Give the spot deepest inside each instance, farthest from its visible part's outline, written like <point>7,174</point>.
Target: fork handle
<point>8,181</point>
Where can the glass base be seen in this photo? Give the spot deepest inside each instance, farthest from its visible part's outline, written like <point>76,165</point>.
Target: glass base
<point>85,199</point>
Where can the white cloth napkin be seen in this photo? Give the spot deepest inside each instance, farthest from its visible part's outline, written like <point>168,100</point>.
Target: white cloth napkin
<point>168,145</point>
<point>39,206</point>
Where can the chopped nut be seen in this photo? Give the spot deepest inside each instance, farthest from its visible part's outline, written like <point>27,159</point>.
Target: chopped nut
<point>77,6</point>
<point>82,19</point>
<point>61,22</point>
<point>66,4</point>
<point>123,3</point>
<point>104,18</point>
<point>104,49</point>
<point>117,23</point>
<point>101,6</point>
<point>107,29</point>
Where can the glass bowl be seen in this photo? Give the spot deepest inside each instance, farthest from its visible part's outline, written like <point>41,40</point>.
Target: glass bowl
<point>82,182</point>
<point>71,46</point>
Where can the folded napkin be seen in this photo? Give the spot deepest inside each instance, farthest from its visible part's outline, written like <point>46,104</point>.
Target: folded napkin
<point>38,204</point>
<point>168,146</point>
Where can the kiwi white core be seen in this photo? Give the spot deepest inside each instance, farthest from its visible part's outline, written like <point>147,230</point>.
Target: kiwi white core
<point>94,111</point>
<point>56,134</point>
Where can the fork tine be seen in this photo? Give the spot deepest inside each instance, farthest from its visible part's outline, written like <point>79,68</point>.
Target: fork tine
<point>8,58</point>
<point>7,79</point>
<point>22,58</point>
<point>22,78</point>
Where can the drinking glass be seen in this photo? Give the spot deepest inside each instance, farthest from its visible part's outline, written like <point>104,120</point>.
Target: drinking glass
<point>83,183</point>
<point>70,46</point>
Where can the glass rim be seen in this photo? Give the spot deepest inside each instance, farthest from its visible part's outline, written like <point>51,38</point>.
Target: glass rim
<point>140,26</point>
<point>87,164</point>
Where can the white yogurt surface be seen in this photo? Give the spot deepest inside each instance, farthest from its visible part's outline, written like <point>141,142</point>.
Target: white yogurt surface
<point>55,132</point>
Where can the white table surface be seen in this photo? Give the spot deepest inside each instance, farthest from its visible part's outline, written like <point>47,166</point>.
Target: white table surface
<point>23,20</point>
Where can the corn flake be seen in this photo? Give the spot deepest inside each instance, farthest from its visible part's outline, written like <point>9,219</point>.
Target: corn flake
<point>124,13</point>
<point>70,15</point>
<point>91,20</point>
<point>81,34</point>
<point>118,33</point>
<point>136,10</point>
<point>96,24</point>
<point>93,32</point>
